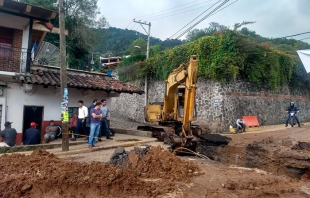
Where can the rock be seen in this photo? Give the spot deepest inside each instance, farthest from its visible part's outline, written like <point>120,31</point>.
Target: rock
<point>287,142</point>
<point>251,187</point>
<point>133,158</point>
<point>86,178</point>
<point>26,188</point>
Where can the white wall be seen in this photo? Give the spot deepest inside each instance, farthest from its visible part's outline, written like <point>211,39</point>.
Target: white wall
<point>3,103</point>
<point>25,47</point>
<point>47,97</point>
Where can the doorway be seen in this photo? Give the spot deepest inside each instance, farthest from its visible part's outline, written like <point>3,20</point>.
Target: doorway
<point>32,114</point>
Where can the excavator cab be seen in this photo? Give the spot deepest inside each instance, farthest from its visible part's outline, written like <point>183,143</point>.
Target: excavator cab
<point>180,99</point>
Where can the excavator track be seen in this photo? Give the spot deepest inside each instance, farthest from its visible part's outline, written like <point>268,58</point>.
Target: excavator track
<point>171,134</point>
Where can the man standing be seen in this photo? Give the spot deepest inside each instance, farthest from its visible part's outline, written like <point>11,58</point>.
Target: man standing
<point>32,135</point>
<point>89,109</point>
<point>8,135</point>
<point>104,121</point>
<point>51,131</point>
<point>81,122</point>
<point>73,122</point>
<point>94,125</point>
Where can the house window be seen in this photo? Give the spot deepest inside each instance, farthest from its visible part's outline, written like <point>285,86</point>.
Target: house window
<point>6,42</point>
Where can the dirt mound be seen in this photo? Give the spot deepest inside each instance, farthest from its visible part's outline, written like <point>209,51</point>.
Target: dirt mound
<point>41,174</point>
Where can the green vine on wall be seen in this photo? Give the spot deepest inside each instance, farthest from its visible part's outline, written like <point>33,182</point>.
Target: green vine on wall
<point>223,56</point>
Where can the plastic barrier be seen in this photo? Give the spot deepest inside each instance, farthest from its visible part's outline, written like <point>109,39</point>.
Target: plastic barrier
<point>250,121</point>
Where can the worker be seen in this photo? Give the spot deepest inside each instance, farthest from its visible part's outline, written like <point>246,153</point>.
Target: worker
<point>294,109</point>
<point>32,135</point>
<point>240,124</point>
<point>8,135</point>
<point>51,131</point>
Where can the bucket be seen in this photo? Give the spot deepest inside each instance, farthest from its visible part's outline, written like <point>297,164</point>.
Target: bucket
<point>109,72</point>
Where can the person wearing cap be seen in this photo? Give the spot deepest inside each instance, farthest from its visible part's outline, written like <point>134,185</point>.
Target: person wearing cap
<point>32,135</point>
<point>50,132</point>
<point>8,135</point>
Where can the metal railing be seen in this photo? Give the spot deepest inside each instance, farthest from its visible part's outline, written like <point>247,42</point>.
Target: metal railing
<point>13,59</point>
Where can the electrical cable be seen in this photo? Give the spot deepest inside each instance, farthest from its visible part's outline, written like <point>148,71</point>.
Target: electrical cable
<point>304,39</point>
<point>194,19</point>
<point>160,15</point>
<point>165,10</point>
<point>187,30</point>
<point>152,19</point>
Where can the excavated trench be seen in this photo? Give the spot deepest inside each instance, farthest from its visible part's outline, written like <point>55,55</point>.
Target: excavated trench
<point>277,156</point>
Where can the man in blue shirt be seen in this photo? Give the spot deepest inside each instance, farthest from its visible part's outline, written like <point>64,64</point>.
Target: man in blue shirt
<point>94,124</point>
<point>32,135</point>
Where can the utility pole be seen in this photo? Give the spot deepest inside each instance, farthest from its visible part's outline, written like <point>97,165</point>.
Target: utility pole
<point>147,56</point>
<point>63,78</point>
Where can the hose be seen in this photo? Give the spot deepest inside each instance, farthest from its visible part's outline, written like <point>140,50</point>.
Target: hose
<point>190,152</point>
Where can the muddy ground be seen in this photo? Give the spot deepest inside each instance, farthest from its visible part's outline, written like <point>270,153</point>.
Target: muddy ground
<point>161,174</point>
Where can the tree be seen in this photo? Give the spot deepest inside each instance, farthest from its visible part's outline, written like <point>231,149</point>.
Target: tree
<point>80,19</point>
<point>213,27</point>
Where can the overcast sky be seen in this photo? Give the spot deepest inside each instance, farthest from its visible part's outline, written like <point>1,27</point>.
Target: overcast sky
<point>274,18</point>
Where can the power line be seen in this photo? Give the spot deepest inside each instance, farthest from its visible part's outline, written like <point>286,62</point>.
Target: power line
<point>194,19</point>
<point>294,35</point>
<point>224,7</point>
<point>133,26</point>
<point>155,18</point>
<point>159,15</point>
<point>166,10</point>
<point>187,30</point>
<point>304,39</point>
<point>128,24</point>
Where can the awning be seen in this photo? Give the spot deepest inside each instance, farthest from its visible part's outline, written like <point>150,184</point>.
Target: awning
<point>304,55</point>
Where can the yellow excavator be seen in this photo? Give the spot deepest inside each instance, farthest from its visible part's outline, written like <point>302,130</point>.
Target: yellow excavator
<point>176,113</point>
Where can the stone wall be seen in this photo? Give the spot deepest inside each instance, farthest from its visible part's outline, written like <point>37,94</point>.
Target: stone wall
<point>219,106</point>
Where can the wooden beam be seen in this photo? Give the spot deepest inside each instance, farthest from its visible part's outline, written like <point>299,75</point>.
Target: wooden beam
<point>28,8</point>
<point>53,15</point>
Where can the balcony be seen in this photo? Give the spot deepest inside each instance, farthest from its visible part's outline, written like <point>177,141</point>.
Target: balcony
<point>13,59</point>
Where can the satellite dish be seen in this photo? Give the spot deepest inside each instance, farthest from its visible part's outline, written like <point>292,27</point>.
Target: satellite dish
<point>48,54</point>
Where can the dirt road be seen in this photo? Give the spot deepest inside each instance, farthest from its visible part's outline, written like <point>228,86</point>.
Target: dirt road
<point>294,133</point>
<point>163,175</point>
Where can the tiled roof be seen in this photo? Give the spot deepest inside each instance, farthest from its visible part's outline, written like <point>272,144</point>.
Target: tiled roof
<point>92,82</point>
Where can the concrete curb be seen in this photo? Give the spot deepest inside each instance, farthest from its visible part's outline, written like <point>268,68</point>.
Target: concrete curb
<point>133,132</point>
<point>35,147</point>
<point>87,150</point>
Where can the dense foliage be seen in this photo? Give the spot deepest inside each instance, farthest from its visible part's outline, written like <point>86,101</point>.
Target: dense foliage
<point>228,55</point>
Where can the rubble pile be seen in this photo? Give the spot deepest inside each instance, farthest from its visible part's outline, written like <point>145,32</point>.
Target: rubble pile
<point>132,173</point>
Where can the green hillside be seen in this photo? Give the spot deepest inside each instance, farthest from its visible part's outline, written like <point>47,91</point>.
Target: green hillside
<point>228,55</point>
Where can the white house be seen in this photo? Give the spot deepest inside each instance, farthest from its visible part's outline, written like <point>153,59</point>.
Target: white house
<point>31,93</point>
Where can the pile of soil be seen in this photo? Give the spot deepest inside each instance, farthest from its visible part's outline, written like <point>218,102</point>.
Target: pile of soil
<point>41,174</point>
